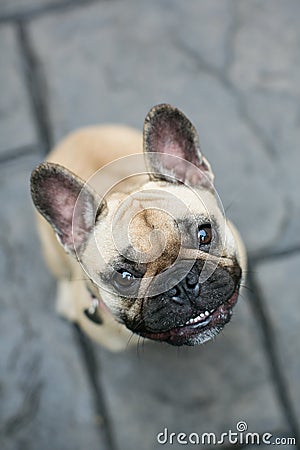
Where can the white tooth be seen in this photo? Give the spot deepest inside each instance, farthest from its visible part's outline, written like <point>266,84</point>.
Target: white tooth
<point>206,313</point>
<point>202,315</point>
<point>94,305</point>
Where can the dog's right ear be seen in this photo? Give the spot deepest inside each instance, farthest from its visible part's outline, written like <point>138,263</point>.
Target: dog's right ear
<point>67,203</point>
<point>172,149</point>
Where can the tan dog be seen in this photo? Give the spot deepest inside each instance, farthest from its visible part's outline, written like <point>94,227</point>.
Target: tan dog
<point>143,248</point>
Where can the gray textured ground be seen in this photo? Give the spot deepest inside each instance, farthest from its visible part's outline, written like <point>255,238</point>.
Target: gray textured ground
<point>233,67</point>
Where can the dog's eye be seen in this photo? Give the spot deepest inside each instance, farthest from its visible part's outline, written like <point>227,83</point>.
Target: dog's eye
<point>204,234</point>
<point>123,278</point>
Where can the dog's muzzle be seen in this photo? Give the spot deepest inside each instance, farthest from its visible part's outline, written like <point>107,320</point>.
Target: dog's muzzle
<point>191,312</point>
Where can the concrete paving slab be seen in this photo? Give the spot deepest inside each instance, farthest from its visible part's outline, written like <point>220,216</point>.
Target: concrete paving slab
<point>280,284</point>
<point>16,124</point>
<point>263,57</point>
<point>45,397</point>
<point>210,47</point>
<point>277,116</point>
<point>111,62</point>
<point>202,389</point>
<point>20,6</point>
<point>270,89</point>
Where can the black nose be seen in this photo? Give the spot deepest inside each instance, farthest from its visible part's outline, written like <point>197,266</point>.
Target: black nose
<point>188,288</point>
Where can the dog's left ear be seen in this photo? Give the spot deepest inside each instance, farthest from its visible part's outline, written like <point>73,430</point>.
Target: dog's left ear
<point>172,149</point>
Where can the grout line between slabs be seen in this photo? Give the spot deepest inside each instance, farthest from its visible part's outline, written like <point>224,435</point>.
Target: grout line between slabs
<point>12,154</point>
<point>36,86</point>
<point>94,376</point>
<point>257,304</point>
<point>38,11</point>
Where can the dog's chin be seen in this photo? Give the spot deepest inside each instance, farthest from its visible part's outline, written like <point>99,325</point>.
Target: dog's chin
<point>197,330</point>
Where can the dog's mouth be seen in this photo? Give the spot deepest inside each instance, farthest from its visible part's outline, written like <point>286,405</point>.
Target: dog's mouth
<point>198,329</point>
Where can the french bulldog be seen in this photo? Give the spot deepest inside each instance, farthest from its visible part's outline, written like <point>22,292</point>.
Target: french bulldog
<point>135,233</point>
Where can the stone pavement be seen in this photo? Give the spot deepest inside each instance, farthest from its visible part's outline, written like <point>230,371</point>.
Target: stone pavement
<point>234,68</point>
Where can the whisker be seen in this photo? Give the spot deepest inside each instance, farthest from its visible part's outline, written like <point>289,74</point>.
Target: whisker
<point>244,286</point>
<point>143,345</point>
<point>138,324</point>
<point>227,208</point>
<point>243,297</point>
<point>138,348</point>
<point>129,340</point>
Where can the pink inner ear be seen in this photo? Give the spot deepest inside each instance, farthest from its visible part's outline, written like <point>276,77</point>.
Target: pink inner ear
<point>167,151</point>
<point>169,136</point>
<point>181,169</point>
<point>176,152</point>
<point>62,200</point>
<point>173,147</point>
<point>65,203</point>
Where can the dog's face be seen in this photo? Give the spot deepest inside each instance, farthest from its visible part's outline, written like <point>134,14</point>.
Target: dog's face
<point>160,255</point>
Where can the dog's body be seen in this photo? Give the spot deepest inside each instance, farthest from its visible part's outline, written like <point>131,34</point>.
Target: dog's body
<point>84,152</point>
<point>87,283</point>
